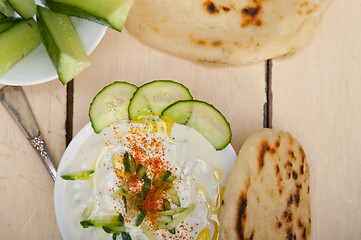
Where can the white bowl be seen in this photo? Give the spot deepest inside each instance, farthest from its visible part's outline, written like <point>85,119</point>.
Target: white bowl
<point>37,67</point>
<point>87,131</point>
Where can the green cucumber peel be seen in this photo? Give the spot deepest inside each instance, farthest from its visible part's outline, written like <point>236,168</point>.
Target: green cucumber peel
<point>141,216</point>
<point>80,175</point>
<point>172,212</point>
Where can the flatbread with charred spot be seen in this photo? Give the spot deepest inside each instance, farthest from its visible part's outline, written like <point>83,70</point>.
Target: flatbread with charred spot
<point>268,193</point>
<point>225,31</point>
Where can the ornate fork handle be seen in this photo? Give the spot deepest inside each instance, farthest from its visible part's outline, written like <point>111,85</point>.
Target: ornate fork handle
<point>14,100</point>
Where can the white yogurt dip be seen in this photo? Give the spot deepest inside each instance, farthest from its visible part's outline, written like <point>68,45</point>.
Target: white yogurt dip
<point>201,173</point>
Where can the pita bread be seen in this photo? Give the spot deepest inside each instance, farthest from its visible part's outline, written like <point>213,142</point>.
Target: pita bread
<point>225,31</point>
<point>267,195</point>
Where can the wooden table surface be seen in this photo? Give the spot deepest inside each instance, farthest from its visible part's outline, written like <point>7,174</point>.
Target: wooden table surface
<point>314,94</point>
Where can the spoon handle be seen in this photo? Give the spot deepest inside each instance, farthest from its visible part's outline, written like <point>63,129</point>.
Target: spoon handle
<point>14,100</point>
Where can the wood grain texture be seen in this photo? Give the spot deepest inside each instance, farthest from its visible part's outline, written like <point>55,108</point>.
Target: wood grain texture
<point>238,92</point>
<point>26,199</point>
<point>316,96</point>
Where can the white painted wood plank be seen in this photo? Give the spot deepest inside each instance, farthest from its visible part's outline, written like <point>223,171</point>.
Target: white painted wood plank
<point>26,199</point>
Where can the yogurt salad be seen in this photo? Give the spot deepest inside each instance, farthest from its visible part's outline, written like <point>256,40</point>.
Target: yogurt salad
<point>148,178</point>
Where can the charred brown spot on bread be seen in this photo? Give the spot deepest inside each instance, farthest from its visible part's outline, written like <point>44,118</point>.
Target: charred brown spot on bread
<point>277,169</point>
<point>294,175</point>
<point>201,42</point>
<point>279,224</point>
<point>251,236</point>
<point>252,11</point>
<point>242,215</point>
<point>292,154</point>
<point>217,43</point>
<point>272,151</point>
<point>250,16</point>
<point>288,164</point>
<point>300,225</point>
<point>211,8</point>
<point>278,143</point>
<point>265,147</point>
<point>304,233</point>
<point>302,153</point>
<point>226,9</point>
<point>290,140</point>
<point>290,201</point>
<point>289,217</point>
<point>289,234</point>
<point>297,197</point>
<point>301,169</point>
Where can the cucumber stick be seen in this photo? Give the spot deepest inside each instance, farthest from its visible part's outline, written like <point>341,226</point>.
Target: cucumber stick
<point>153,97</point>
<point>110,105</point>
<point>204,118</point>
<point>25,8</point>
<point>6,9</point>
<point>16,42</point>
<point>111,13</point>
<point>62,43</point>
<point>6,23</point>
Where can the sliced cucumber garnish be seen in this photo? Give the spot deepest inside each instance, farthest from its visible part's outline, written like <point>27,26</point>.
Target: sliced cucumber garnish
<point>80,175</point>
<point>110,105</point>
<point>62,43</point>
<point>107,12</point>
<point>153,97</point>
<point>204,118</point>
<point>16,42</point>
<point>180,218</point>
<point>25,8</point>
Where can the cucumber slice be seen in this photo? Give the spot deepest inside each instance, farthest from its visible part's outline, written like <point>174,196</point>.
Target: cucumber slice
<point>153,97</point>
<point>16,42</point>
<point>62,43</point>
<point>204,118</point>
<point>6,9</point>
<point>25,8</point>
<point>111,13</point>
<point>110,105</point>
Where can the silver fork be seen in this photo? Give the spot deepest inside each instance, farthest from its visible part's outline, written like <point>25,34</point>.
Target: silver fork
<point>14,100</point>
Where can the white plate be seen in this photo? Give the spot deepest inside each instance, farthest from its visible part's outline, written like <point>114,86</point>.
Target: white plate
<point>227,153</point>
<point>37,67</point>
